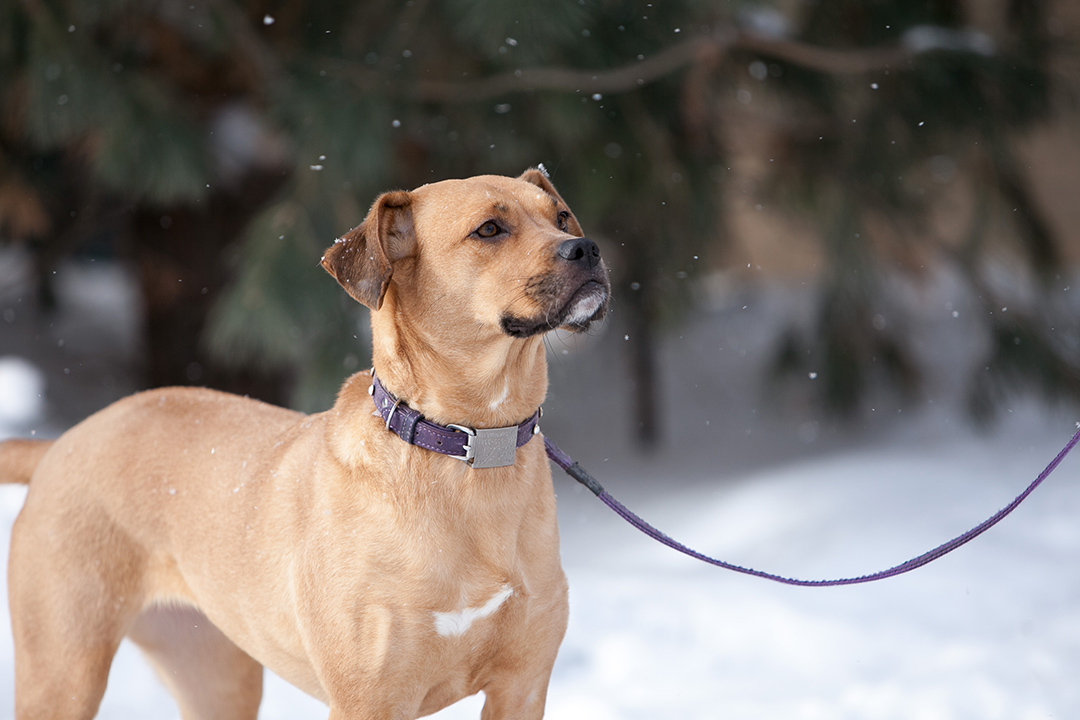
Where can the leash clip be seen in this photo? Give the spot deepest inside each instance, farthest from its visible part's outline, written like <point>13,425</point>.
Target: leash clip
<point>489,447</point>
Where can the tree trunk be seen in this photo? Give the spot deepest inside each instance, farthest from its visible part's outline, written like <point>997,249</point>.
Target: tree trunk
<point>180,256</point>
<point>641,346</point>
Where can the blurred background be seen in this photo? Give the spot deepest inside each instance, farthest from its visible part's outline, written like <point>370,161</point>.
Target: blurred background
<point>830,223</point>
<point>894,180</point>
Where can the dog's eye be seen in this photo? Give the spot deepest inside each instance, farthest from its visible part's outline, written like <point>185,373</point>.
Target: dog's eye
<point>488,230</point>
<point>563,220</point>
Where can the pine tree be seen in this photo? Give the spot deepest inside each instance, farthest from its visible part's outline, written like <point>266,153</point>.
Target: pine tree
<point>954,104</point>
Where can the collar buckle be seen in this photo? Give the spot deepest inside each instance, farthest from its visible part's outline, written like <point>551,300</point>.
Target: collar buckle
<point>489,447</point>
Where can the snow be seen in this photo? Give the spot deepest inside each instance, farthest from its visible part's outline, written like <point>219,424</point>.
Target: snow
<point>991,631</point>
<point>22,387</point>
<point>927,38</point>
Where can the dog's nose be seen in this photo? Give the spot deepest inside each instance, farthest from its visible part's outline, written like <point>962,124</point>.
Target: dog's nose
<point>582,251</point>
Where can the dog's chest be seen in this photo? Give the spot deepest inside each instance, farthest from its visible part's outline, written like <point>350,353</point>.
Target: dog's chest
<point>439,591</point>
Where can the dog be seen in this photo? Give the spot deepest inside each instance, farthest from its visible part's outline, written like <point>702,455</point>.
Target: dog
<point>348,551</point>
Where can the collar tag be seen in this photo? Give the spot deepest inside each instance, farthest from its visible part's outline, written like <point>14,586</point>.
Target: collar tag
<point>489,447</point>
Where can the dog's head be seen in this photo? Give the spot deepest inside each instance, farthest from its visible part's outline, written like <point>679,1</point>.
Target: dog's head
<point>504,253</point>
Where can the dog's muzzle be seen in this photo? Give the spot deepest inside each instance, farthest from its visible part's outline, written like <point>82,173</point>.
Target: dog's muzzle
<point>573,295</point>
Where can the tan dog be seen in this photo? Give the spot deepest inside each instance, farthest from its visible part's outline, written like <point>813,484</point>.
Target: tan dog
<point>222,534</point>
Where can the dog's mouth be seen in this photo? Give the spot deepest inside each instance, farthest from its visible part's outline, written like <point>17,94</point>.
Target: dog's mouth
<point>587,304</point>
<point>584,306</point>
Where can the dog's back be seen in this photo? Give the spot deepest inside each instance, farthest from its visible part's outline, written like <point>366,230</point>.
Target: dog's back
<point>19,458</point>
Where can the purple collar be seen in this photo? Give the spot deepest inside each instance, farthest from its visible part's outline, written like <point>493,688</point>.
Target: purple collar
<point>479,447</point>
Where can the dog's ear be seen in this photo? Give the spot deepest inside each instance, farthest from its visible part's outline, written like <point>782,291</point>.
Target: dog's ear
<point>362,261</point>
<point>539,178</point>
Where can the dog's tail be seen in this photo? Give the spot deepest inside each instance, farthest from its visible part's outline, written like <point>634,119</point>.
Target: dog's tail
<point>19,459</point>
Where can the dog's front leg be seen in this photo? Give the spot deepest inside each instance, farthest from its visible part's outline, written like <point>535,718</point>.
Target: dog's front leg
<point>516,698</point>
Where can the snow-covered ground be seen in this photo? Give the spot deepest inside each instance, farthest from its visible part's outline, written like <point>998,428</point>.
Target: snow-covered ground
<point>992,631</point>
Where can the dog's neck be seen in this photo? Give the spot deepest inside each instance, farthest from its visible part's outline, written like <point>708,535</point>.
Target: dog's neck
<point>490,380</point>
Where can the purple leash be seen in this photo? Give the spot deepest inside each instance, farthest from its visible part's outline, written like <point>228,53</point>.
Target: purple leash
<point>578,473</point>
<point>496,447</point>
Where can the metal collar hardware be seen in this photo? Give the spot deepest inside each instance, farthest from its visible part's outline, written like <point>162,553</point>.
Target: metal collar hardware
<point>478,447</point>
<point>489,447</point>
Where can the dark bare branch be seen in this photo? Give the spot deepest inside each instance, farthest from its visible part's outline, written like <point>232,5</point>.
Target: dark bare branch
<point>643,72</point>
<point>823,59</point>
<point>622,79</point>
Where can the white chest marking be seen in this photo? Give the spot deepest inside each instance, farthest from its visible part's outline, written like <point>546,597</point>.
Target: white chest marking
<point>502,398</point>
<point>455,624</point>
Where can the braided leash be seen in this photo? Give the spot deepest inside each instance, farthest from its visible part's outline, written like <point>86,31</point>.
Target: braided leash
<point>578,473</point>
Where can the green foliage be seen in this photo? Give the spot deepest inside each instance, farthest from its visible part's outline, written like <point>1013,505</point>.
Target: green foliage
<point>344,134</point>
<point>140,139</point>
<point>153,154</point>
<point>67,95</point>
<point>281,313</point>
<point>959,99</point>
<point>533,31</point>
